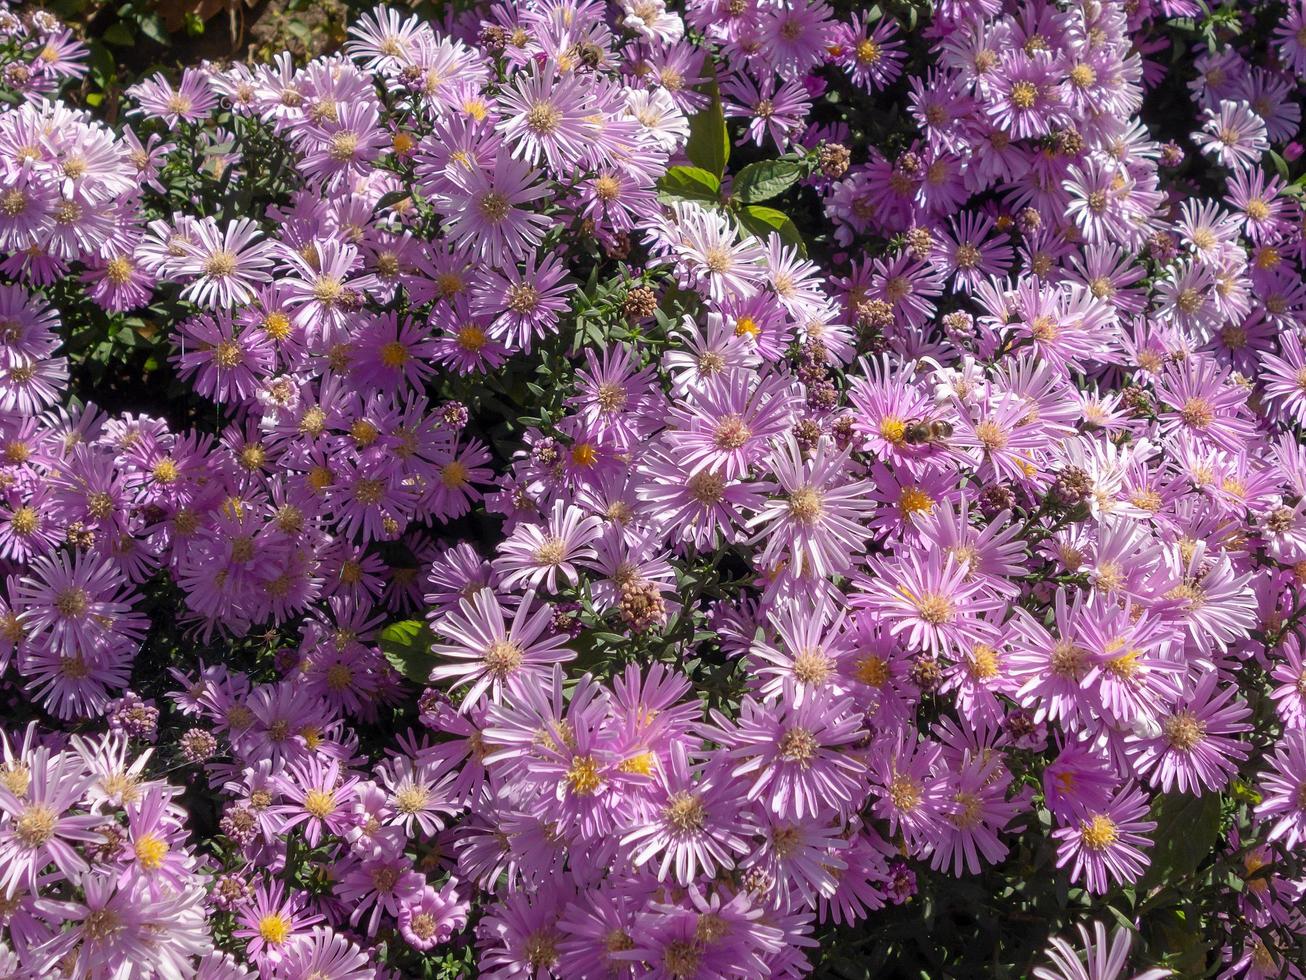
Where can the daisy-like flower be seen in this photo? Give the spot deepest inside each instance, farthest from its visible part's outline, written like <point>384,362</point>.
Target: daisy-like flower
<point>156,851</point>
<point>434,918</point>
<point>39,830</point>
<point>1200,398</point>
<point>327,954</point>
<point>489,653</point>
<point>395,352</point>
<point>1133,667</point>
<point>704,353</point>
<point>969,255</point>
<point>1283,790</point>
<point>523,304</point>
<point>1284,377</point>
<point>61,54</point>
<point>1258,199</point>
<point>1290,694</point>
<point>1290,38</point>
<point>549,118</point>
<point>275,923</point>
<point>382,879</point>
<point>418,793</point>
<point>934,604</point>
<point>384,40</point>
<point>795,754</point>
<point>801,856</point>
<point>1099,961</point>
<point>796,36</point>
<point>1097,205</point>
<point>727,424</point>
<point>1078,781</point>
<point>129,930</point>
<point>652,21</point>
<point>809,646</point>
<point>1025,96</point>
<point>537,554</point>
<point>1106,846</point>
<point>1234,135</point>
<point>1186,297</point>
<point>487,212</point>
<point>318,796</point>
<point>191,101</point>
<point>226,363</point>
<point>774,108</point>
<point>817,523</point>
<point>871,55</point>
<point>696,508</point>
<point>980,809</point>
<point>118,283</point>
<point>228,264</point>
<point>464,343</point>
<point>77,604</point>
<point>322,289</point>
<point>1197,749</point>
<point>343,147</point>
<point>711,256</point>
<point>693,826</point>
<point>910,793</point>
<point>661,120</point>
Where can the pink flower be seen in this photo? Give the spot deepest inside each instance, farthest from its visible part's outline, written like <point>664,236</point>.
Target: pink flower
<point>1106,845</point>
<point>489,653</point>
<point>793,754</point>
<point>40,830</point>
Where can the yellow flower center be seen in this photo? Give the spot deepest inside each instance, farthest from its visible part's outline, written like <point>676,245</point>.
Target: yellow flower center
<point>1099,832</point>
<point>150,851</point>
<point>274,928</point>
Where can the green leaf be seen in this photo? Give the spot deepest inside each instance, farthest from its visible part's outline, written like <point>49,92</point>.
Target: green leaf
<point>1186,831</point>
<point>709,142</point>
<point>1182,939</point>
<point>764,180</point>
<point>152,27</point>
<point>761,221</point>
<point>390,199</point>
<point>689,184</point>
<point>1280,165</point>
<point>407,645</point>
<point>103,66</point>
<point>120,34</point>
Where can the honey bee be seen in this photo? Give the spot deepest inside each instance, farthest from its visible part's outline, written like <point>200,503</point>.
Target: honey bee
<point>927,432</point>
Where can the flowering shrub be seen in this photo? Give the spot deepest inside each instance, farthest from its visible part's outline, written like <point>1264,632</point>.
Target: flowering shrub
<point>585,489</point>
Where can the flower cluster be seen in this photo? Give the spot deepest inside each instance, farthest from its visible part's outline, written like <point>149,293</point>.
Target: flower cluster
<point>547,559</point>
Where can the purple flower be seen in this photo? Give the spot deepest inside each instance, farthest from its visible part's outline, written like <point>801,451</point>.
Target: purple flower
<point>1106,845</point>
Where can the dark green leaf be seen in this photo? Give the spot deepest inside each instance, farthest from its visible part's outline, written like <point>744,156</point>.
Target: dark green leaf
<point>390,199</point>
<point>152,27</point>
<point>407,645</point>
<point>689,184</point>
<point>120,34</point>
<point>1182,939</point>
<point>102,64</point>
<point>709,142</point>
<point>764,180</point>
<point>762,221</point>
<point>1186,830</point>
